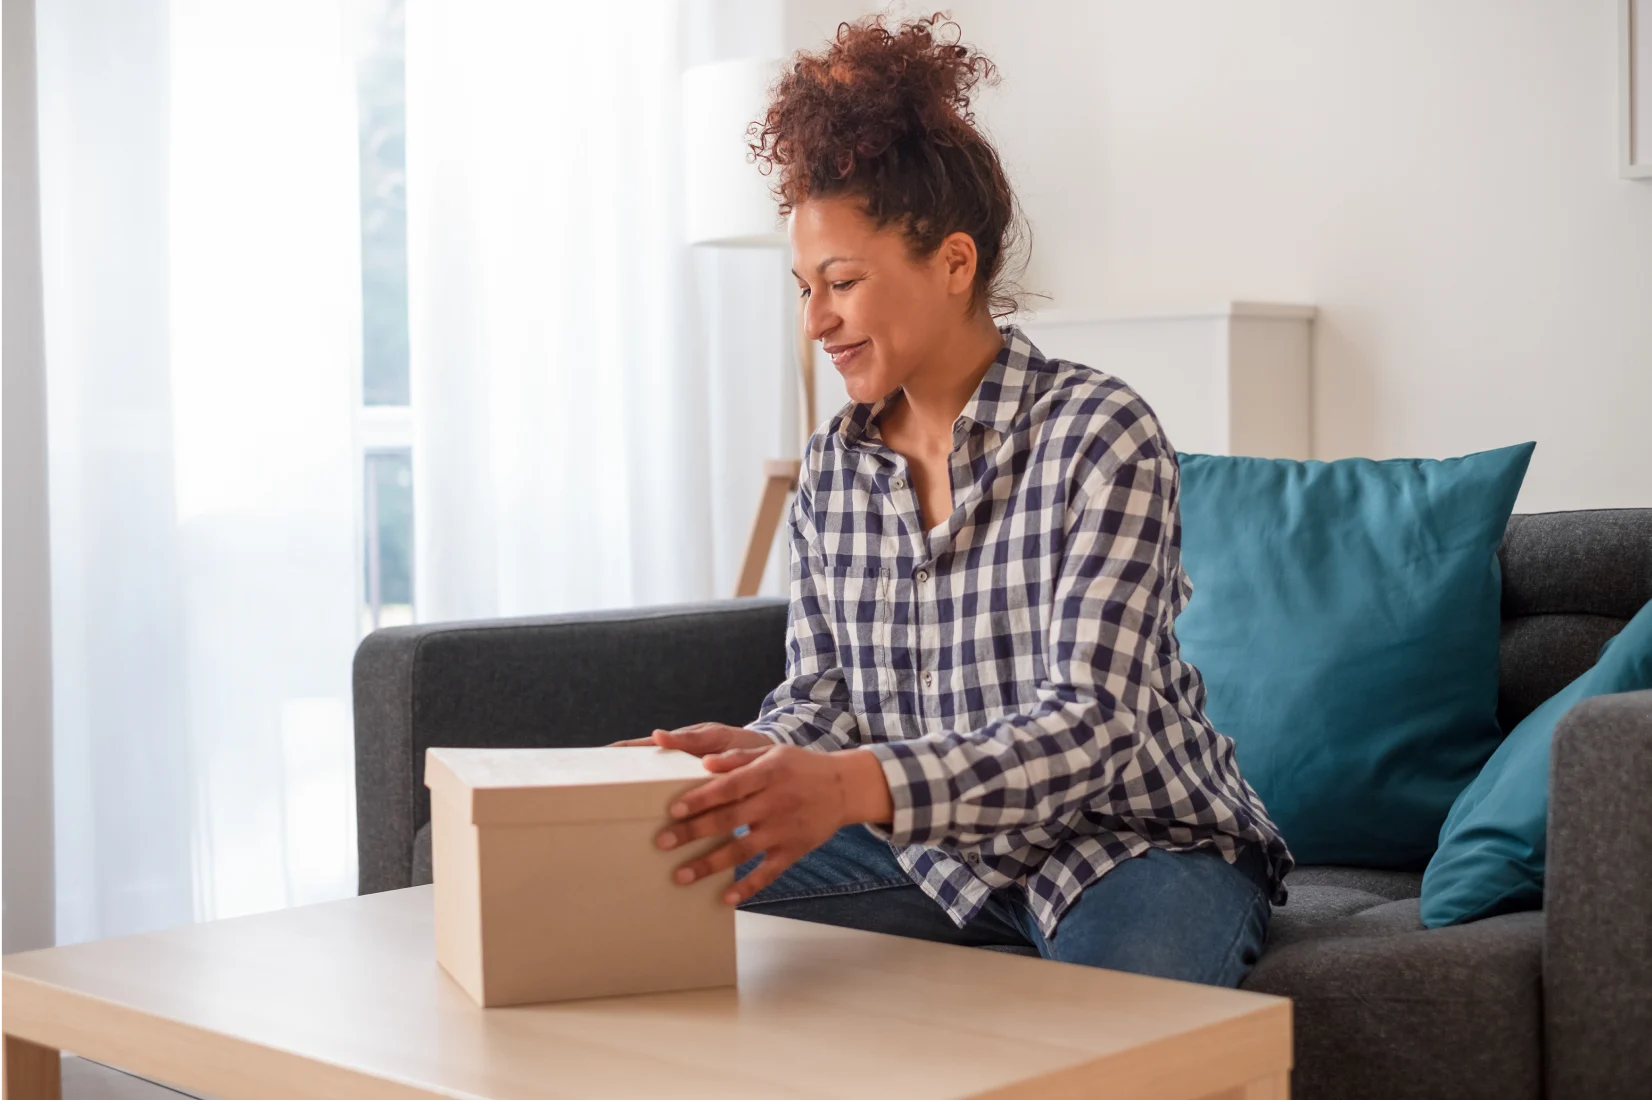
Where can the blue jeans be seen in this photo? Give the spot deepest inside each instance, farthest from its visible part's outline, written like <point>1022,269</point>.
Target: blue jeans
<point>1187,915</point>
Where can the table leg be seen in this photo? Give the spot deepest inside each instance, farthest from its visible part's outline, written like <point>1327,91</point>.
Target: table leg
<point>1274,1087</point>
<point>33,1072</point>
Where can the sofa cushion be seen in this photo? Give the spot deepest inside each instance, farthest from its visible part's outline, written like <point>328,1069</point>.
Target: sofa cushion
<point>1386,885</point>
<point>1494,844</point>
<point>1345,618</point>
<point>1312,907</point>
<point>1388,1009</point>
<point>1571,580</point>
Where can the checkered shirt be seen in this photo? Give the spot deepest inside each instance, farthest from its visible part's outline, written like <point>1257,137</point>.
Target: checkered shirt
<point>1015,670</point>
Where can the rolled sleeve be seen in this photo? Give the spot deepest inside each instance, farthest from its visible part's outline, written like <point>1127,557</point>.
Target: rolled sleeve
<point>1024,770</point>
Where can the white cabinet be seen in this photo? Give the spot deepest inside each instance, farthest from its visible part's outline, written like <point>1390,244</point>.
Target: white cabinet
<point>1227,379</point>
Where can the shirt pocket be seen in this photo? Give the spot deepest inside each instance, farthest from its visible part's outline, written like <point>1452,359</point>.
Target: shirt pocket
<point>862,596</point>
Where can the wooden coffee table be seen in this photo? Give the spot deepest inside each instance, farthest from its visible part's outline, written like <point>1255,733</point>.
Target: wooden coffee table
<point>345,999</point>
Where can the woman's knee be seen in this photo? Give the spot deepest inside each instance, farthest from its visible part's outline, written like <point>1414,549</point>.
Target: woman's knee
<point>1189,916</point>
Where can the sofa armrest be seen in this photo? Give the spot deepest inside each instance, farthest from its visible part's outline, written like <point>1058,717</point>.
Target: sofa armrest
<point>572,680</point>
<point>1597,898</point>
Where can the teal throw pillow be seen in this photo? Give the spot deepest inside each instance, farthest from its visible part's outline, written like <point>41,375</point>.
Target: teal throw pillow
<point>1494,841</point>
<point>1345,619</point>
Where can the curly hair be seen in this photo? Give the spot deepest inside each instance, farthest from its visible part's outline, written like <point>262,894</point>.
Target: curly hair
<point>884,115</point>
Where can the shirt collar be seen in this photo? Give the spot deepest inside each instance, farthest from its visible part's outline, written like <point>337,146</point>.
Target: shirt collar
<point>995,402</point>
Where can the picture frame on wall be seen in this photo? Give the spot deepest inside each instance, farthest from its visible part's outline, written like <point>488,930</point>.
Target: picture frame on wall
<point>1635,89</point>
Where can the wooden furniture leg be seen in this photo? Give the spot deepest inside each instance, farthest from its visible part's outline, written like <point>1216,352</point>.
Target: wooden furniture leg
<point>32,1072</point>
<point>780,481</point>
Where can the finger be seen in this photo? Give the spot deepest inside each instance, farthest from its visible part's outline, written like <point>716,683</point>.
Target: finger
<point>697,739</point>
<point>690,730</point>
<point>728,787</point>
<point>633,743</point>
<point>652,739</point>
<point>775,862</point>
<point>735,851</point>
<point>724,819</point>
<point>729,759</point>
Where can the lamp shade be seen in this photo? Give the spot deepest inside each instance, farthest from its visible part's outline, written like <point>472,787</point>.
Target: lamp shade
<point>729,202</point>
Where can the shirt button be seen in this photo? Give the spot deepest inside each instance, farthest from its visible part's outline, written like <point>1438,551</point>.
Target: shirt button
<point>929,678</point>
<point>973,857</point>
<point>897,483</point>
<point>922,575</point>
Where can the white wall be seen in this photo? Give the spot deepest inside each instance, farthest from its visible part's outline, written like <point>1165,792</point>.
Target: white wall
<point>27,895</point>
<point>1439,179</point>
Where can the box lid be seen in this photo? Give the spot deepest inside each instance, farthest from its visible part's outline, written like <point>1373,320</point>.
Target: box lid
<point>560,786</point>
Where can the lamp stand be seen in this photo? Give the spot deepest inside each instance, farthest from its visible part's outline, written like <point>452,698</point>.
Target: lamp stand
<point>779,476</point>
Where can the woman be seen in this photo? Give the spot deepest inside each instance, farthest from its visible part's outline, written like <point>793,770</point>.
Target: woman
<point>985,735</point>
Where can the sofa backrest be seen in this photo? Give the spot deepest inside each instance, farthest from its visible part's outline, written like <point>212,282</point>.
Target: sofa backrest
<point>1571,580</point>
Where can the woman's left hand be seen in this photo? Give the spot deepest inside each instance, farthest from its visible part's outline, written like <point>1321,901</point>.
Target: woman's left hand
<point>791,799</point>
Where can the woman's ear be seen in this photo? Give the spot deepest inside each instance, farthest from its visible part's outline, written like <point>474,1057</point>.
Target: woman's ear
<point>958,260</point>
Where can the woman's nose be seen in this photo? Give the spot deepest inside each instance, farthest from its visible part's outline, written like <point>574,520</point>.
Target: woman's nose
<point>818,320</point>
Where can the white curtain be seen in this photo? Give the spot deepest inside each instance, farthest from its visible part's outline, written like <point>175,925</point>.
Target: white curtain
<point>592,400</point>
<point>200,259</point>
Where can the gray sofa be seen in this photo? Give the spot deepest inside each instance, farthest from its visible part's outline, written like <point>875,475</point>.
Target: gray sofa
<point>1556,1003</point>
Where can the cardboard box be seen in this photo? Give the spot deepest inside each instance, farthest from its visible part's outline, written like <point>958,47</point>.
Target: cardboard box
<point>549,886</point>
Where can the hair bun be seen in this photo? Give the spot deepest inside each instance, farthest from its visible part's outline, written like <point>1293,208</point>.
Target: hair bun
<point>885,114</point>
<point>874,87</point>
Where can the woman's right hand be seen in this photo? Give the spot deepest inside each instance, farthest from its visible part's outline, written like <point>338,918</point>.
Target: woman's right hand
<point>701,739</point>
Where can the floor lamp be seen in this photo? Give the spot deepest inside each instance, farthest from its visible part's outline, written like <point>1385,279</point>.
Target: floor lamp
<point>729,205</point>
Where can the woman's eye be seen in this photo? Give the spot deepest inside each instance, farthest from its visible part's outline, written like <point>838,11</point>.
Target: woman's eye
<point>803,291</point>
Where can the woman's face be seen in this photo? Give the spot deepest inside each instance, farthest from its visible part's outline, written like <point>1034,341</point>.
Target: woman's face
<point>881,315</point>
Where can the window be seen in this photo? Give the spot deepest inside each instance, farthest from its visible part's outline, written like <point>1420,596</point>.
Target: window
<point>384,419</point>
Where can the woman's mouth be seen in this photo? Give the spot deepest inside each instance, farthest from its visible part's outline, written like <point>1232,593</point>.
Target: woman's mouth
<point>844,354</point>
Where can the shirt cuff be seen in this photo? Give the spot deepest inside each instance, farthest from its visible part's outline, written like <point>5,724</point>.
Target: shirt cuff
<point>772,731</point>
<point>918,791</point>
<point>804,725</point>
<point>792,728</point>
